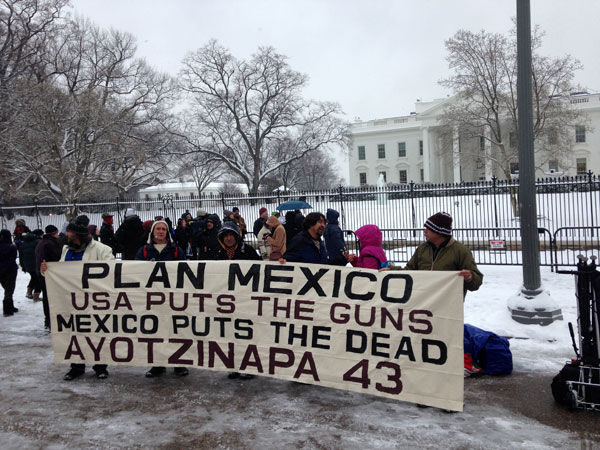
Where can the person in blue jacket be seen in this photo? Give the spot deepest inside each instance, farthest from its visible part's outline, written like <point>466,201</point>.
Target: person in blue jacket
<point>307,246</point>
<point>334,239</point>
<point>160,247</point>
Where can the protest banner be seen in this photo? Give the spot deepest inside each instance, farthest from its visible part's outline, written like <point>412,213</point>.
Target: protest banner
<point>396,334</point>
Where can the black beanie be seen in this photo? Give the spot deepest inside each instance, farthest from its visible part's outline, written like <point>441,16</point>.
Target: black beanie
<point>79,225</point>
<point>51,229</point>
<point>5,236</point>
<point>440,223</point>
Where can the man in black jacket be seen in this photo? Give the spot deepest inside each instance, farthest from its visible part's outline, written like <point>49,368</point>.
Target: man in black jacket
<point>48,249</point>
<point>232,247</point>
<point>107,233</point>
<point>130,235</point>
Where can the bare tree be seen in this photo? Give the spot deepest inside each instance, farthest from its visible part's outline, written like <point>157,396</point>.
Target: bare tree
<point>485,106</point>
<point>25,28</point>
<point>241,110</point>
<point>314,171</point>
<point>95,119</point>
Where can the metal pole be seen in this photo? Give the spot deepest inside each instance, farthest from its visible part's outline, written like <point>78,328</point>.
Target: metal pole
<point>529,233</point>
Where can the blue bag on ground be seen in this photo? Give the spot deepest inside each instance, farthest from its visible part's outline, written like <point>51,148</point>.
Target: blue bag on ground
<point>490,351</point>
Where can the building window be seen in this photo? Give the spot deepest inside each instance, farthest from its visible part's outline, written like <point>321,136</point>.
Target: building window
<point>482,143</point>
<point>512,140</point>
<point>421,148</point>
<point>580,133</point>
<point>381,151</point>
<point>403,177</point>
<point>363,178</point>
<point>553,137</point>
<point>192,196</point>
<point>176,195</point>
<point>514,167</point>
<point>581,166</point>
<point>361,153</point>
<point>553,165</point>
<point>384,176</point>
<point>402,149</point>
<point>422,174</point>
<point>479,163</point>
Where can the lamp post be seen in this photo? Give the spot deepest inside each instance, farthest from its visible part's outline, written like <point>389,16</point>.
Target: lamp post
<point>532,305</point>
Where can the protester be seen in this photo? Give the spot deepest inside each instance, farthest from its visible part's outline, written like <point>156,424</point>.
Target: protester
<point>160,247</point>
<point>263,215</point>
<point>232,248</point>
<point>20,230</point>
<point>197,227</point>
<point>107,233</point>
<point>48,249</point>
<point>239,221</point>
<point>182,235</point>
<point>130,235</point>
<point>334,240</point>
<point>293,225</point>
<point>264,246</point>
<point>27,262</point>
<point>307,246</point>
<point>94,232</point>
<point>279,217</point>
<point>8,272</point>
<point>276,239</point>
<point>228,216</point>
<point>82,247</point>
<point>209,243</point>
<point>371,255</point>
<point>442,252</point>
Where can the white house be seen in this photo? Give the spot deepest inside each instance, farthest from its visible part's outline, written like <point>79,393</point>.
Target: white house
<point>185,190</point>
<point>409,148</point>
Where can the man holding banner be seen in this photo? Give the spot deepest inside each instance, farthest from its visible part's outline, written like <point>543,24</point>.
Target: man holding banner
<point>233,248</point>
<point>442,252</point>
<point>81,247</point>
<point>160,247</point>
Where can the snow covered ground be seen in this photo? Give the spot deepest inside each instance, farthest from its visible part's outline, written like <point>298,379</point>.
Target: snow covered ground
<point>206,410</point>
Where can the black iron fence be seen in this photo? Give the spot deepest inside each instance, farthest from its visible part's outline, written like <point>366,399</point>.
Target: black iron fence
<point>486,214</point>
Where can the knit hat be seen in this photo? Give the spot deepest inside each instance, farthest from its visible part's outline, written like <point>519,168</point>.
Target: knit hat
<point>227,213</point>
<point>156,222</point>
<point>129,212</point>
<point>79,225</point>
<point>51,229</point>
<point>106,215</point>
<point>440,223</point>
<point>235,208</point>
<point>262,210</point>
<point>201,213</point>
<point>276,213</point>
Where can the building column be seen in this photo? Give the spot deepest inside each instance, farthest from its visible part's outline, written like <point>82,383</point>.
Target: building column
<point>426,156</point>
<point>456,155</point>
<point>489,173</point>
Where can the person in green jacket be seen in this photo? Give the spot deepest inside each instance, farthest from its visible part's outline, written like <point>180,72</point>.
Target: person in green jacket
<point>442,252</point>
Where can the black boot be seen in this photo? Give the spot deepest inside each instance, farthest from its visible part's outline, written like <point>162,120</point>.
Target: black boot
<point>8,308</point>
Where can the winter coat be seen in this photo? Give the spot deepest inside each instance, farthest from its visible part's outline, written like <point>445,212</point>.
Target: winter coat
<point>258,224</point>
<point>8,258</point>
<point>208,246</point>
<point>277,241</point>
<point>291,227</point>
<point>302,248</point>
<point>241,223</point>
<point>243,251</point>
<point>27,252</point>
<point>130,236</point>
<point>94,251</point>
<point>107,237</point>
<point>182,236</point>
<point>48,249</point>
<point>264,246</point>
<point>18,234</point>
<point>334,239</point>
<point>452,256</point>
<point>371,255</point>
<point>170,253</point>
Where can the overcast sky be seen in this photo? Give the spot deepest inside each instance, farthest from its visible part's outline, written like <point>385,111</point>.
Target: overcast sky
<point>375,58</point>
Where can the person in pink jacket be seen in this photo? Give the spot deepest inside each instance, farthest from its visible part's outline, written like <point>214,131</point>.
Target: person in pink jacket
<point>371,255</point>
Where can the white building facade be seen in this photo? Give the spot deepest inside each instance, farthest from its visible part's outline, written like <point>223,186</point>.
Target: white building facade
<point>414,148</point>
<point>186,190</point>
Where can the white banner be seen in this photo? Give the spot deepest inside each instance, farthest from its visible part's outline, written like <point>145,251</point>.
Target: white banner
<point>396,334</point>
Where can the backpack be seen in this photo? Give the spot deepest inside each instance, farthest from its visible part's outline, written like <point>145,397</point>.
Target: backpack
<point>490,351</point>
